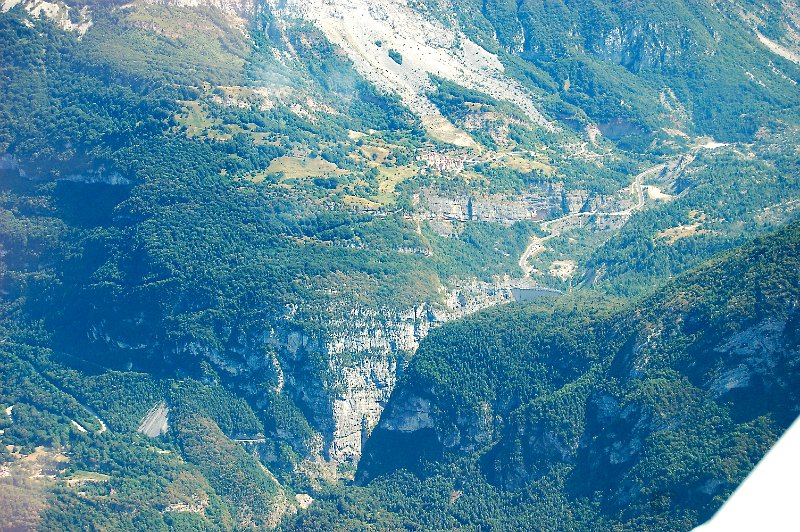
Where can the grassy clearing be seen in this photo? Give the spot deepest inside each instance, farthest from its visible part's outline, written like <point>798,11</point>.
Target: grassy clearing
<point>363,203</point>
<point>389,178</point>
<point>674,234</point>
<point>297,168</point>
<point>524,164</point>
<point>375,154</point>
<point>294,169</point>
<point>195,118</point>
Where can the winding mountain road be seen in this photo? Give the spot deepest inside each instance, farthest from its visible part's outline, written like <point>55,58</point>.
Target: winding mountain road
<point>536,244</point>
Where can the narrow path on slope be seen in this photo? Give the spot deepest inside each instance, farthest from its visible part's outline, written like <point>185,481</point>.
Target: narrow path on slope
<point>50,380</point>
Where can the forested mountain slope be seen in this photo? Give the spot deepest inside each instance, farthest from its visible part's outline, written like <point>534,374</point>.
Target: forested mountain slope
<point>649,416</point>
<point>226,227</point>
<point>615,60</point>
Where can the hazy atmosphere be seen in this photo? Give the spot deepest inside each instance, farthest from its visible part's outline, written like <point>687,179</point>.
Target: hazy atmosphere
<point>395,264</point>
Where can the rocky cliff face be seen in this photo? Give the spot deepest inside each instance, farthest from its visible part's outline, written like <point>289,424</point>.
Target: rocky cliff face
<point>364,352</point>
<point>364,390</point>
<point>339,373</point>
<point>70,18</point>
<point>644,46</point>
<point>343,373</point>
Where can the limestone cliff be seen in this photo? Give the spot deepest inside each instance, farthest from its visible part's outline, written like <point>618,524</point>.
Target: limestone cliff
<point>337,365</point>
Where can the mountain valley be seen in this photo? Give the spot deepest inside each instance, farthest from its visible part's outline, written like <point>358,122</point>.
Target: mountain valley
<point>314,264</point>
